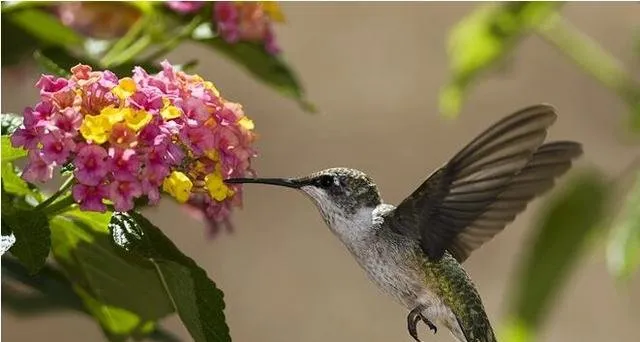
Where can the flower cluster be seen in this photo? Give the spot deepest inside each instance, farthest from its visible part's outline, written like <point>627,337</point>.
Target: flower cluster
<point>240,21</point>
<point>137,136</point>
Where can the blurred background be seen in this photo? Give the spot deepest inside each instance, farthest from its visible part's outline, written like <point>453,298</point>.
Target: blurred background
<point>375,72</point>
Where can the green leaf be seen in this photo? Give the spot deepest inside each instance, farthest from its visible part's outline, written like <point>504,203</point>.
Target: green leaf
<point>623,250</point>
<point>59,61</point>
<point>269,69</point>
<point>49,291</point>
<point>9,6</point>
<point>483,39</point>
<point>195,297</point>
<point>557,243</point>
<point>33,238</point>
<point>9,122</point>
<point>10,153</point>
<point>43,26</point>
<point>123,293</point>
<point>50,65</point>
<point>13,184</point>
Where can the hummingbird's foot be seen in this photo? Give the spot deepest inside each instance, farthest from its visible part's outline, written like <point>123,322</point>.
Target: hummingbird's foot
<point>430,325</point>
<point>412,322</point>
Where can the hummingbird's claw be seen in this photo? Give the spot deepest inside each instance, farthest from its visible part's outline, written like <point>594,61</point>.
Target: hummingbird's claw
<point>412,322</point>
<point>430,325</point>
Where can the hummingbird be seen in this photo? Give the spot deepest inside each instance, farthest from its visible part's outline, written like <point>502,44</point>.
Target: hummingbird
<point>414,251</point>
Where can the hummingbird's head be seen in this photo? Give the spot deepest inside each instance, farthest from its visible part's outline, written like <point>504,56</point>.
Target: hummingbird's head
<point>341,194</point>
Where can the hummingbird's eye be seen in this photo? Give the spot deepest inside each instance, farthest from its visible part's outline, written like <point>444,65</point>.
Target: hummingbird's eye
<point>328,181</point>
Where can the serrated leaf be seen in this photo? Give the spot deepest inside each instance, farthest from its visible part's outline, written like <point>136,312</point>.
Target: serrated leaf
<point>10,153</point>
<point>484,38</point>
<point>33,238</point>
<point>269,69</point>
<point>124,293</point>
<point>49,291</point>
<point>9,122</point>
<point>49,65</point>
<point>623,249</point>
<point>196,298</point>
<point>557,243</point>
<point>43,26</point>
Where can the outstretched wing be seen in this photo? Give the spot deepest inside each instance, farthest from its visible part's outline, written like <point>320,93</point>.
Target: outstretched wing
<point>549,162</point>
<point>459,206</point>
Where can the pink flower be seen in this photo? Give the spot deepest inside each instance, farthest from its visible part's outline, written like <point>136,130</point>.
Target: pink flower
<point>37,169</point>
<point>151,135</point>
<point>185,6</point>
<point>199,139</point>
<point>42,112</point>
<point>49,84</point>
<point>91,164</point>
<point>124,163</point>
<point>149,99</point>
<point>122,193</point>
<point>246,21</point>
<point>174,154</point>
<point>68,121</point>
<point>90,197</point>
<point>226,17</point>
<point>28,138</point>
<point>170,132</point>
<point>152,177</point>
<point>56,148</point>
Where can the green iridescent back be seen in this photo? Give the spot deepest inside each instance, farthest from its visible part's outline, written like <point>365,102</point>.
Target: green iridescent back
<point>451,283</point>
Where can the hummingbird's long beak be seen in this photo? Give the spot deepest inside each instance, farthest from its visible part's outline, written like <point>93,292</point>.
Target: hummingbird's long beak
<point>290,183</point>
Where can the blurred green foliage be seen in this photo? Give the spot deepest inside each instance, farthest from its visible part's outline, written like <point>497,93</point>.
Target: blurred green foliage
<point>623,251</point>
<point>483,39</point>
<point>477,45</point>
<point>555,248</point>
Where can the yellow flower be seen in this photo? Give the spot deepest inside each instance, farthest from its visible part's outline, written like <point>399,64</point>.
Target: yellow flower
<point>95,128</point>
<point>125,88</point>
<point>178,185</point>
<point>169,111</point>
<point>246,123</point>
<point>272,8</point>
<point>113,114</point>
<point>210,86</point>
<point>136,119</point>
<point>217,189</point>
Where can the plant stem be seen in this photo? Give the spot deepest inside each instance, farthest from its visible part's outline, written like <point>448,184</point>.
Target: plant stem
<point>591,57</point>
<point>170,44</point>
<point>60,206</point>
<point>132,51</point>
<point>63,188</point>
<point>123,42</point>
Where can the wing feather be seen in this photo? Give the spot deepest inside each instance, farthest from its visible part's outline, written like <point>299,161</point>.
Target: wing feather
<point>484,186</point>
